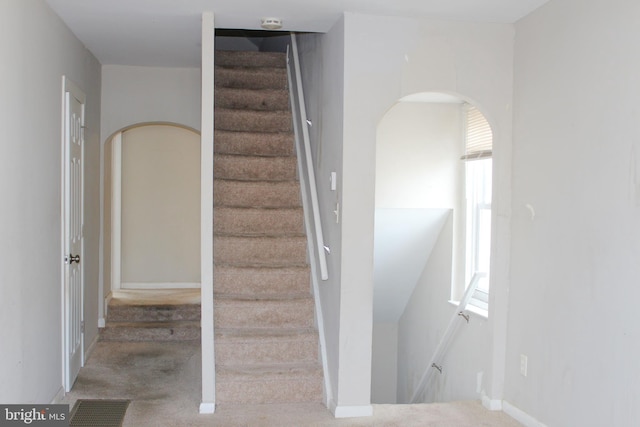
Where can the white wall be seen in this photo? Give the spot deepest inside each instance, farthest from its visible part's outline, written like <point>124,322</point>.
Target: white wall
<point>37,50</point>
<point>322,63</point>
<point>134,95</point>
<point>418,149</point>
<point>384,362</point>
<point>410,56</point>
<point>418,178</point>
<point>575,269</point>
<point>160,206</point>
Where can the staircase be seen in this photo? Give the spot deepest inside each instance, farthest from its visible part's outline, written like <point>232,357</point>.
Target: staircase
<point>266,343</point>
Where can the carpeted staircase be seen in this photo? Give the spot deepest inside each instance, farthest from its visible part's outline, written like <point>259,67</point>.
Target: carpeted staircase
<point>266,343</point>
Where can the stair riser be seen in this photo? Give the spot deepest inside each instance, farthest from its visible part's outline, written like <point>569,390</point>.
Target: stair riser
<point>258,194</point>
<point>253,121</point>
<point>238,78</point>
<point>254,143</point>
<point>264,351</point>
<point>128,313</point>
<point>266,99</point>
<point>260,282</point>
<point>255,168</point>
<point>248,59</point>
<point>269,391</point>
<point>260,251</point>
<point>131,333</point>
<point>264,314</point>
<point>258,221</point>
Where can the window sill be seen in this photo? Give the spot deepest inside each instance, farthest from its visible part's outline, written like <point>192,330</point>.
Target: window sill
<point>483,314</point>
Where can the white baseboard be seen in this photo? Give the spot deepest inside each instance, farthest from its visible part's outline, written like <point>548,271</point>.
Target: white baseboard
<point>351,411</point>
<point>207,408</point>
<point>102,322</point>
<point>58,397</point>
<point>491,404</point>
<point>159,285</point>
<point>520,416</point>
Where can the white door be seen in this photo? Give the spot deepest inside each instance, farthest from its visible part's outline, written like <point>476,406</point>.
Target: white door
<point>73,229</point>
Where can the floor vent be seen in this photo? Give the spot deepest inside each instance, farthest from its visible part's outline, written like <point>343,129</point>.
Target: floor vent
<point>99,412</point>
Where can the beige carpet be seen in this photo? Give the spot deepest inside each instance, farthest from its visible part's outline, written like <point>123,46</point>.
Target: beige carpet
<point>162,380</point>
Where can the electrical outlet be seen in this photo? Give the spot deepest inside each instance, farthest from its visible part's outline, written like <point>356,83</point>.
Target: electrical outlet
<point>524,361</point>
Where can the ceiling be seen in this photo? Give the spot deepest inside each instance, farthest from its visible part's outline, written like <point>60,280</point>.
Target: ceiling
<point>166,33</point>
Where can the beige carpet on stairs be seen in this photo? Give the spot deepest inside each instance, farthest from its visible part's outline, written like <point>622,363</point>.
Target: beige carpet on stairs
<point>265,336</point>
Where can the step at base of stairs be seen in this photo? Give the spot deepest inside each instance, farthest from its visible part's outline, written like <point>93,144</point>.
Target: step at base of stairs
<point>151,331</point>
<point>150,313</point>
<point>269,384</point>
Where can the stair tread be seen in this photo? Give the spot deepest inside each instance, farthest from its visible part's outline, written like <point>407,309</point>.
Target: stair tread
<point>289,296</point>
<point>257,143</point>
<point>237,334</point>
<point>249,58</point>
<point>155,324</point>
<point>259,372</point>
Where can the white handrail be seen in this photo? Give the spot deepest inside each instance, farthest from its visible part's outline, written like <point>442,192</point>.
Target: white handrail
<point>448,333</point>
<point>305,160</point>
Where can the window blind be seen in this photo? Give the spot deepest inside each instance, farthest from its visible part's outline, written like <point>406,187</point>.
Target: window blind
<point>478,137</point>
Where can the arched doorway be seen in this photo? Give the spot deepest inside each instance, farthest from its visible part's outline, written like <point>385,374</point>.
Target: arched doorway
<point>421,235</point>
<point>152,208</point>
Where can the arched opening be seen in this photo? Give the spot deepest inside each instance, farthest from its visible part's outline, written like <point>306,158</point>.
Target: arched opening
<point>427,234</point>
<point>152,208</point>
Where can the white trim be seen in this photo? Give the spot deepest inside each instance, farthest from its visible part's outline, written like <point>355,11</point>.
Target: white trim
<point>352,411</point>
<point>491,404</point>
<point>207,408</point>
<point>102,321</point>
<point>160,285</point>
<point>520,416</point>
<point>57,399</point>
<point>206,214</point>
<point>116,211</point>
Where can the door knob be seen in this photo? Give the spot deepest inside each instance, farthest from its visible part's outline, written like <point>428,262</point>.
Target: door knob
<point>71,259</point>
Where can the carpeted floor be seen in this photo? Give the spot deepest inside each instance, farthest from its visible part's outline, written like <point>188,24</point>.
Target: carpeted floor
<point>162,380</point>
